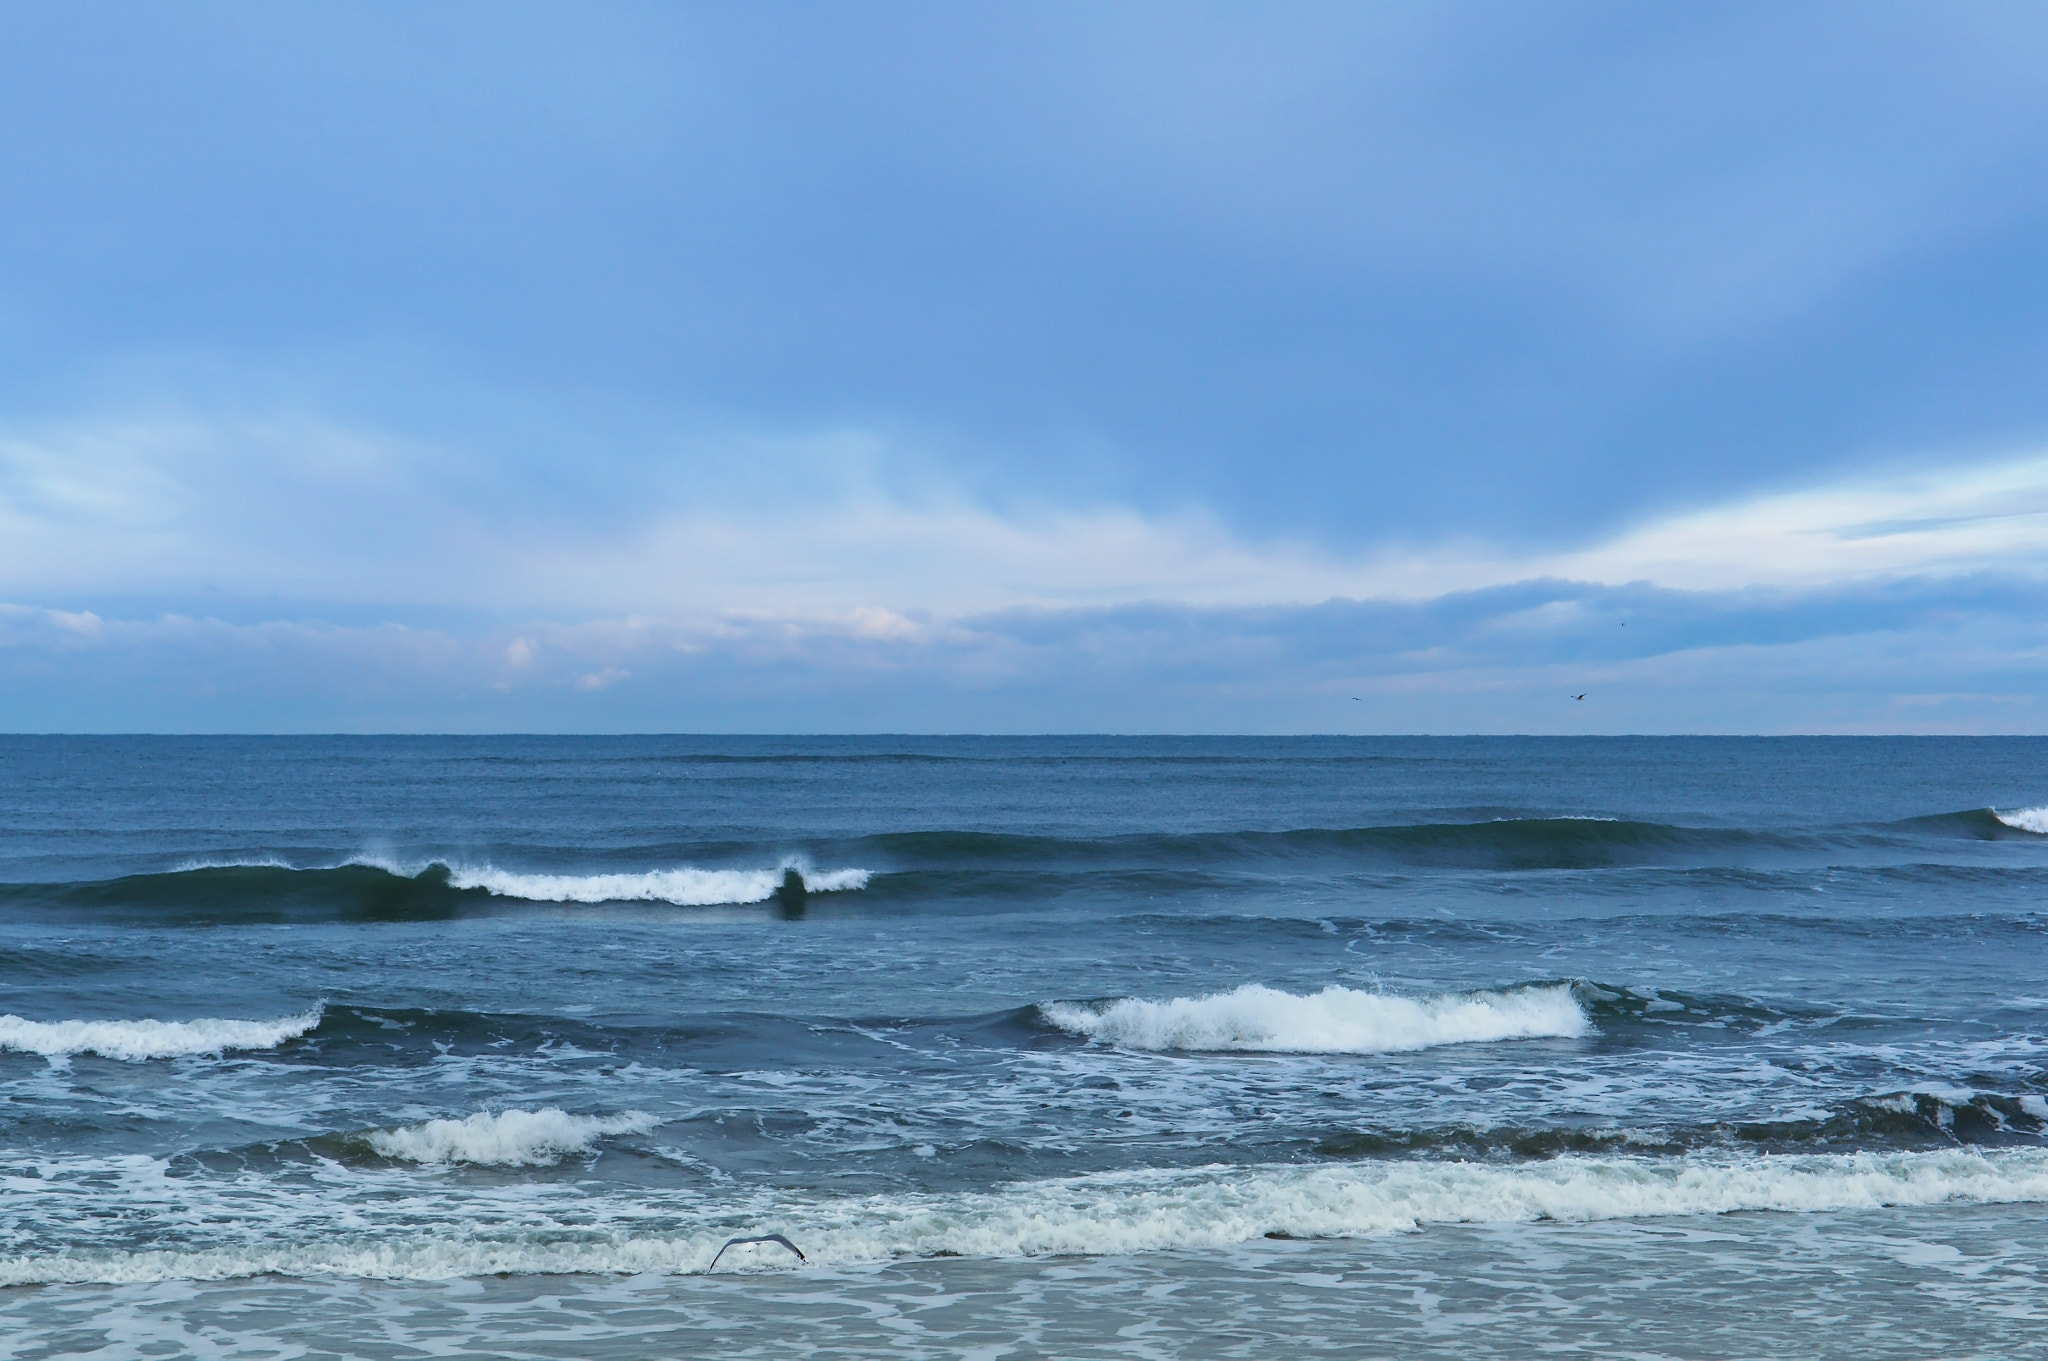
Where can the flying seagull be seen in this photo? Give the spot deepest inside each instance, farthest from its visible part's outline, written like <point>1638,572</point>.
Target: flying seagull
<point>1578,696</point>
<point>761,1238</point>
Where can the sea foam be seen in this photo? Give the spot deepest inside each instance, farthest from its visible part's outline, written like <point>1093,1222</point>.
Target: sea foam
<point>2025,819</point>
<point>511,1138</point>
<point>138,1040</point>
<point>684,887</point>
<point>1334,1021</point>
<point>561,1229</point>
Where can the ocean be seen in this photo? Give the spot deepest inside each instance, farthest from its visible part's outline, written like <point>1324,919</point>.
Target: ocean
<point>1062,1047</point>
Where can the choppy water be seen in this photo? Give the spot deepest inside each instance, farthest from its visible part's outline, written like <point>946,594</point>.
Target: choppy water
<point>390,1047</point>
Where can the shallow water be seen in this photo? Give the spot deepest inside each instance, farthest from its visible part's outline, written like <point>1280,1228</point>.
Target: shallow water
<point>1688,1047</point>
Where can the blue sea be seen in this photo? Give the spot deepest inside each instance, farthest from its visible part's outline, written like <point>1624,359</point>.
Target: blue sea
<point>1031,1047</point>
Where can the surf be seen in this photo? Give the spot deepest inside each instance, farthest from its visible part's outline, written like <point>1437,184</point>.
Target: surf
<point>561,1229</point>
<point>137,1041</point>
<point>376,889</point>
<point>507,1138</point>
<point>1336,1020</point>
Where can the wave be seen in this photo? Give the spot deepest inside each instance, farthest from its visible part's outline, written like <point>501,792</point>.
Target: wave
<point>512,1138</point>
<point>952,865</point>
<point>1336,1020</point>
<point>684,887</point>
<point>1500,843</point>
<point>2033,820</point>
<point>1503,843</point>
<point>268,890</point>
<point>135,1041</point>
<point>1894,1121</point>
<point>559,1230</point>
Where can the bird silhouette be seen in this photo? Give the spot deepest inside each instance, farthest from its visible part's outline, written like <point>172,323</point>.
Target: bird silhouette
<point>760,1238</point>
<point>1578,696</point>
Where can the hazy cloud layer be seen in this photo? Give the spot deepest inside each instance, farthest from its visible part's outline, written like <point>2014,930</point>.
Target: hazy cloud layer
<point>1914,655</point>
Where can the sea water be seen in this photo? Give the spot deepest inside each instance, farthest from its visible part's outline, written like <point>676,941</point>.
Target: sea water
<point>395,1047</point>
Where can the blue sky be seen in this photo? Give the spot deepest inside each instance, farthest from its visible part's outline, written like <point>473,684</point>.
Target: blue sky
<point>1024,368</point>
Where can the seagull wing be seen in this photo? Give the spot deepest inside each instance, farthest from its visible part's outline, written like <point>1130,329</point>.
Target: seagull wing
<point>758,1238</point>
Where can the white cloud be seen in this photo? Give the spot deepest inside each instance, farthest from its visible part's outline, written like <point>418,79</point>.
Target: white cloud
<point>293,509</point>
<point>1938,521</point>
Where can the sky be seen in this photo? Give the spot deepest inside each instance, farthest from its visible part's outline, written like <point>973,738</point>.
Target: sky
<point>1024,368</point>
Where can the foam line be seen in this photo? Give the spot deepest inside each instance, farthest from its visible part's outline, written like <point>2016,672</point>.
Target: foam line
<point>1333,1021</point>
<point>2033,820</point>
<point>564,1230</point>
<point>136,1041</point>
<point>512,1138</point>
<point>683,887</point>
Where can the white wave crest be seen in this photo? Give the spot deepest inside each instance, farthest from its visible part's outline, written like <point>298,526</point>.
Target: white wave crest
<point>1333,1021</point>
<point>139,1040</point>
<point>262,862</point>
<point>684,887</point>
<point>2033,820</point>
<point>555,1230</point>
<point>506,1138</point>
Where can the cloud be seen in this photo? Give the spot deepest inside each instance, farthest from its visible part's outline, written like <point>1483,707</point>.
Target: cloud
<point>310,515</point>
<point>1335,272</point>
<point>1949,519</point>
<point>1140,366</point>
<point>1917,654</point>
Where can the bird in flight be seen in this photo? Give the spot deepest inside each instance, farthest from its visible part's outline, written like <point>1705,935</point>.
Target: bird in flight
<point>1578,696</point>
<point>763,1238</point>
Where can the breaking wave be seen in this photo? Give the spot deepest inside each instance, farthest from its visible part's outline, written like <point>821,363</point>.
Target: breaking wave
<point>2033,820</point>
<point>266,890</point>
<point>683,887</point>
<point>511,1138</point>
<point>136,1041</point>
<point>556,1230</point>
<point>1334,1021</point>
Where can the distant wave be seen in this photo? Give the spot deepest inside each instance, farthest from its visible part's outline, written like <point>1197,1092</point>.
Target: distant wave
<point>266,889</point>
<point>1897,1121</point>
<point>512,1138</point>
<point>1507,843</point>
<point>955,864</point>
<point>1499,843</point>
<point>2033,820</point>
<point>683,887</point>
<point>1333,1021</point>
<point>557,1230</point>
<point>135,1041</point>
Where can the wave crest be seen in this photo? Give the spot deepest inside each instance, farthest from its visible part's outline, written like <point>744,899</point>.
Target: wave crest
<point>1336,1020</point>
<point>567,1231</point>
<point>2033,820</point>
<point>685,887</point>
<point>135,1041</point>
<point>511,1138</point>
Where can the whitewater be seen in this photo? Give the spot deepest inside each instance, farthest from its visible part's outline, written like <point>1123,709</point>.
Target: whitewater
<point>684,887</point>
<point>512,1138</point>
<point>357,1230</point>
<point>680,886</point>
<point>136,1041</point>
<point>1336,1020</point>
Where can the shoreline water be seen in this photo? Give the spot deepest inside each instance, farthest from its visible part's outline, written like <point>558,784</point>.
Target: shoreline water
<point>1476,1044</point>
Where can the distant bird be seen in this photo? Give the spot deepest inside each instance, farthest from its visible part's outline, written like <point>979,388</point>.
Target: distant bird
<point>1356,700</point>
<point>1578,696</point>
<point>762,1238</point>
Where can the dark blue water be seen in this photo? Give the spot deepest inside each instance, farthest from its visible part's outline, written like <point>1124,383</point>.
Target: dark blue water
<point>1026,1043</point>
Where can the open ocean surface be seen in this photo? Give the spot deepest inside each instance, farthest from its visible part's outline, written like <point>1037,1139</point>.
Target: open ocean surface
<point>1074,1047</point>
